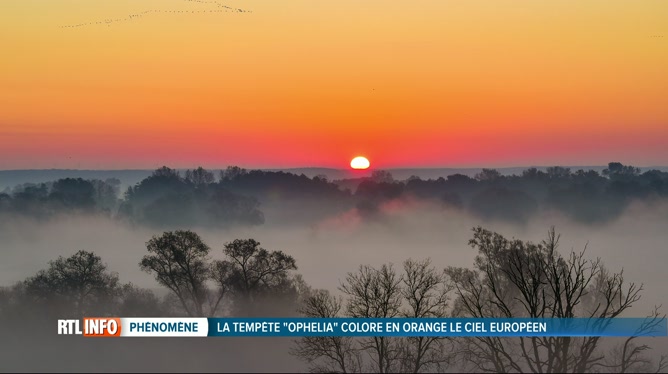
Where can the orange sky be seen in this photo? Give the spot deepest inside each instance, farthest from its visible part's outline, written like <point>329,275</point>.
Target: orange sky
<point>314,83</point>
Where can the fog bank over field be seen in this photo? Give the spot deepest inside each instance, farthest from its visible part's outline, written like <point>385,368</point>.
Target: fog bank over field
<point>328,239</point>
<point>328,249</point>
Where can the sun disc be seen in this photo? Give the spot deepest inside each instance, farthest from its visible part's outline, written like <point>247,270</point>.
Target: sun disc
<point>359,163</point>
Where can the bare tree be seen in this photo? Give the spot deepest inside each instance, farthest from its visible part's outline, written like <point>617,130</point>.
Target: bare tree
<point>425,292</point>
<point>421,292</point>
<point>513,278</point>
<point>630,357</point>
<point>327,354</point>
<point>376,293</point>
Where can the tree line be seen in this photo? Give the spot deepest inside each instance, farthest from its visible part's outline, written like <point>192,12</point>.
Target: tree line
<point>509,278</point>
<point>584,196</point>
<point>236,196</point>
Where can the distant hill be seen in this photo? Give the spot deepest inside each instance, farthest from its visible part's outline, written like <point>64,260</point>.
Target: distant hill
<point>11,178</point>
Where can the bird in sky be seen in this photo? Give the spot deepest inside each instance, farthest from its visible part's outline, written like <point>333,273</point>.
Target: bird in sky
<point>134,16</point>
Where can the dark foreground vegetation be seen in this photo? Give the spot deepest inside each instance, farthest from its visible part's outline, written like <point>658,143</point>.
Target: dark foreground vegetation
<point>509,278</point>
<point>236,196</point>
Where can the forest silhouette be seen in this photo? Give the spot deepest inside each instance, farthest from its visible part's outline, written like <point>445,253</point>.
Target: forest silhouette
<point>167,199</point>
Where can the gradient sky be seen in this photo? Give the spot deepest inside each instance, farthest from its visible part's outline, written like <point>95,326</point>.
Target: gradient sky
<point>315,83</point>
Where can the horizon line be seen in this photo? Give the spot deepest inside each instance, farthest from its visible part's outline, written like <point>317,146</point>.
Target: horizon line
<point>331,168</point>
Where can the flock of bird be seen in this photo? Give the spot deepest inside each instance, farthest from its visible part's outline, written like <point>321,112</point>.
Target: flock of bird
<point>109,21</point>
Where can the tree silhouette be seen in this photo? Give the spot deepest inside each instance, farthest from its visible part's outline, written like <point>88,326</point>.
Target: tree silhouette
<point>232,173</point>
<point>253,271</point>
<point>79,283</point>
<point>165,172</point>
<point>179,261</point>
<point>327,354</point>
<point>420,292</point>
<point>376,293</point>
<point>558,172</point>
<point>382,176</point>
<point>488,175</point>
<point>426,295</point>
<point>199,176</point>
<point>166,200</point>
<point>619,170</point>
<point>512,278</point>
<point>73,193</point>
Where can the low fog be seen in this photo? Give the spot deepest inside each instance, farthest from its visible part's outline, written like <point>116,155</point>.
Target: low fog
<point>325,251</point>
<point>328,232</point>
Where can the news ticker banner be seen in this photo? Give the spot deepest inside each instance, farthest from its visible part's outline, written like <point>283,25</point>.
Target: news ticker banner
<point>360,327</point>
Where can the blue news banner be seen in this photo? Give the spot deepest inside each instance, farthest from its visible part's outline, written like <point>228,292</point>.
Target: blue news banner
<point>453,327</point>
<point>362,327</point>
